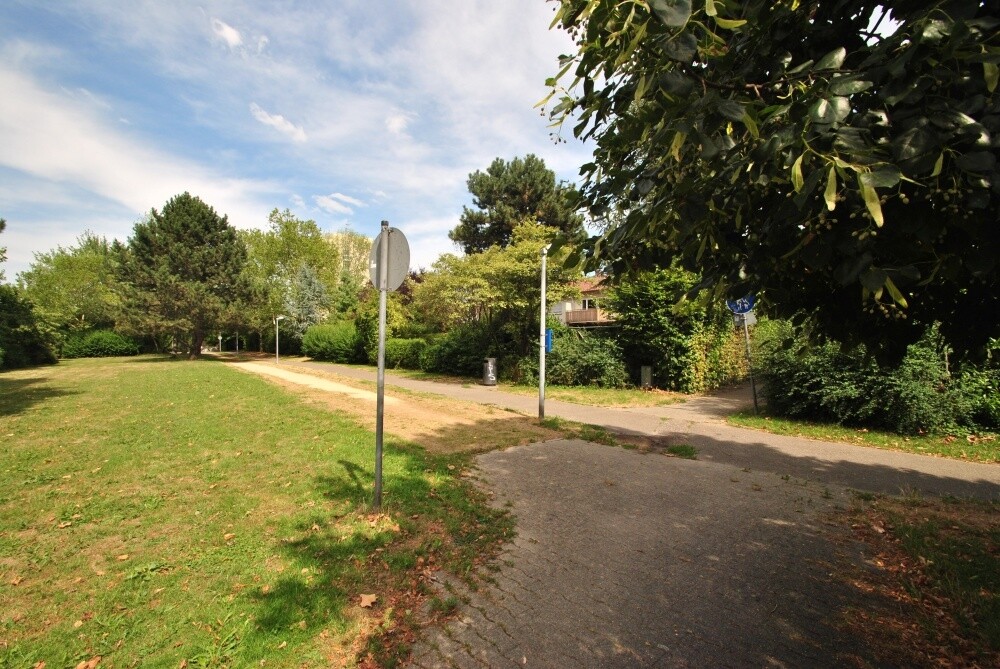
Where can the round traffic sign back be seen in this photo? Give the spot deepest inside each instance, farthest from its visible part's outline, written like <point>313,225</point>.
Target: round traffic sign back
<point>398,264</point>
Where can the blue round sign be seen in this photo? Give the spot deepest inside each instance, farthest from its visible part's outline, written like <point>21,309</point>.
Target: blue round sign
<point>744,305</point>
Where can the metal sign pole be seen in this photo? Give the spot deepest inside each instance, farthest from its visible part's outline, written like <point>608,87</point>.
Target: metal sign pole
<point>383,282</point>
<point>541,344</point>
<point>753,385</point>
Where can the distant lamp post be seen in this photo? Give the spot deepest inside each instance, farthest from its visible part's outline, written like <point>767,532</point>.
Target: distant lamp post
<point>276,320</point>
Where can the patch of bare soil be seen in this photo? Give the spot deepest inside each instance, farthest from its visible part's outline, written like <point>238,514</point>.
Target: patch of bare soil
<point>438,424</point>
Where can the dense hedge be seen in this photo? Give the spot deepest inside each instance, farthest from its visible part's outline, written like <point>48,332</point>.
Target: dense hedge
<point>461,351</point>
<point>339,342</point>
<point>99,344</point>
<point>691,344</point>
<point>827,382</point>
<point>404,353</point>
<point>578,358</point>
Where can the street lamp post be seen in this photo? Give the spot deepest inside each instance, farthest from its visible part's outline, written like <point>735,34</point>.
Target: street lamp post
<point>541,343</point>
<point>276,320</point>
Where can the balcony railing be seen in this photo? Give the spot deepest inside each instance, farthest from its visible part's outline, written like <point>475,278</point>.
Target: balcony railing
<point>588,317</point>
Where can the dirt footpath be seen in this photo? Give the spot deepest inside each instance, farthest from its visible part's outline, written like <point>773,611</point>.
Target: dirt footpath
<point>438,424</point>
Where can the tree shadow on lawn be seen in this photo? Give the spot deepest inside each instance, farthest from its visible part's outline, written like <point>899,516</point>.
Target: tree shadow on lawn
<point>19,395</point>
<point>343,550</point>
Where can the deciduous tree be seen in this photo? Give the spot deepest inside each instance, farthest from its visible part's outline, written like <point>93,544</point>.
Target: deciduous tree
<point>500,287</point>
<point>74,288</point>
<point>836,157</point>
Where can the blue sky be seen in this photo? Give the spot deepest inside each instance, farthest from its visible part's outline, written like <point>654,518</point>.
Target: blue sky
<point>346,112</point>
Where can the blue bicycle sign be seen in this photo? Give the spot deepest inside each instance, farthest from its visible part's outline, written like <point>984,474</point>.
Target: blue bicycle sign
<point>744,305</point>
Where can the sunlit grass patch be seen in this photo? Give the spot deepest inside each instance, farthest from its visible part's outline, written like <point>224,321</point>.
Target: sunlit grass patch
<point>977,448</point>
<point>155,512</point>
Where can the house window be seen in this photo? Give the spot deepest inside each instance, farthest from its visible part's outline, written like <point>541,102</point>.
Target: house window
<point>589,303</point>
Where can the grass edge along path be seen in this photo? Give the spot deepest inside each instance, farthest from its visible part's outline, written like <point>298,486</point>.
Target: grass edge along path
<point>932,583</point>
<point>171,513</point>
<point>983,448</point>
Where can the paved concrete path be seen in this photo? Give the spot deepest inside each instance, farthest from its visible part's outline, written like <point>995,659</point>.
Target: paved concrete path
<point>699,422</point>
<point>629,559</point>
<point>624,559</point>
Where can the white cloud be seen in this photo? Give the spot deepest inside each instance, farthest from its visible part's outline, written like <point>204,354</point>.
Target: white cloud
<point>94,167</point>
<point>337,203</point>
<point>397,123</point>
<point>278,122</point>
<point>228,34</point>
<point>401,106</point>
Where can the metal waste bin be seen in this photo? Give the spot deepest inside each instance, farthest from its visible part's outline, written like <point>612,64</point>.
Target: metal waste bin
<point>645,377</point>
<point>490,372</point>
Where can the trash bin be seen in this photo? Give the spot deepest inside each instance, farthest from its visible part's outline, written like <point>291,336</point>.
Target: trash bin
<point>490,372</point>
<point>645,377</point>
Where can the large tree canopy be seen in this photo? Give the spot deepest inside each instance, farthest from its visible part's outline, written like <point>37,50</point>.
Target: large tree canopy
<point>181,271</point>
<point>500,287</point>
<point>74,288</point>
<point>832,156</point>
<point>510,193</point>
<point>275,261</point>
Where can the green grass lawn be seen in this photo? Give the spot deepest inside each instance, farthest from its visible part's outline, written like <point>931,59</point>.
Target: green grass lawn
<point>977,448</point>
<point>164,513</point>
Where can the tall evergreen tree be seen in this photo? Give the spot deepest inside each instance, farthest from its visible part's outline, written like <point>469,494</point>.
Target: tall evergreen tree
<point>181,270</point>
<point>510,193</point>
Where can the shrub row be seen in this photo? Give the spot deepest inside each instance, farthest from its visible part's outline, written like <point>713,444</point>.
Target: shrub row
<point>339,342</point>
<point>99,344</point>
<point>578,358</point>
<point>827,382</point>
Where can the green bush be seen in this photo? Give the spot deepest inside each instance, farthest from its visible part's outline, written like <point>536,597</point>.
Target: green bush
<point>717,357</point>
<point>688,342</point>
<point>827,382</point>
<point>578,358</point>
<point>339,342</point>
<point>99,344</point>
<point>460,351</point>
<point>23,339</point>
<point>404,353</point>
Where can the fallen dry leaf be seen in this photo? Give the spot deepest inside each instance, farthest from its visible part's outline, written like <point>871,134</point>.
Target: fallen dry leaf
<point>78,624</point>
<point>64,525</point>
<point>122,558</point>
<point>184,664</point>
<point>229,536</point>
<point>282,645</point>
<point>368,600</point>
<point>89,664</point>
<point>17,580</point>
<point>39,665</point>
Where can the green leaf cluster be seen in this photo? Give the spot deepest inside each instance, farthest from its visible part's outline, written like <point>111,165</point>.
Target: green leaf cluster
<point>788,149</point>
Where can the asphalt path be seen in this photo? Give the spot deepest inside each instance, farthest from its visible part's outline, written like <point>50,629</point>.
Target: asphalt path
<point>633,559</point>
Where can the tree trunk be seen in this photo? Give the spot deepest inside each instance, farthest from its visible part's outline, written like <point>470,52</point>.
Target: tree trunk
<point>197,339</point>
